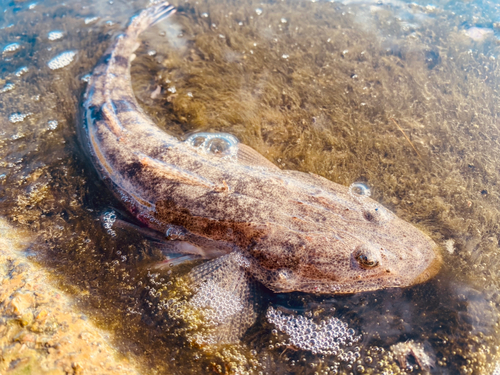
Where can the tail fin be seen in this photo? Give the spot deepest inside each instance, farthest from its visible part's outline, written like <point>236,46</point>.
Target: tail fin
<point>149,17</point>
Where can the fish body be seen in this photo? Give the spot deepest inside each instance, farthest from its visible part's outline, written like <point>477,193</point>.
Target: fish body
<point>210,195</point>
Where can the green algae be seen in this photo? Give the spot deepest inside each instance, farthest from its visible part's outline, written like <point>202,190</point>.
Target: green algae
<point>317,87</point>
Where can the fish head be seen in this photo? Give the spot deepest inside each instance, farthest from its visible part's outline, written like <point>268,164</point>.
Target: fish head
<point>344,244</point>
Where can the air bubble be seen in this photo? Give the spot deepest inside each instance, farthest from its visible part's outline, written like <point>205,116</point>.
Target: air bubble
<point>108,219</point>
<point>61,60</point>
<point>12,47</point>
<point>258,11</point>
<point>55,35</point>
<point>220,144</point>
<point>174,233</point>
<point>359,189</point>
<point>90,20</point>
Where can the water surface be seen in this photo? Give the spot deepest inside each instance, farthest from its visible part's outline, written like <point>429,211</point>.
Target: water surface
<point>400,96</point>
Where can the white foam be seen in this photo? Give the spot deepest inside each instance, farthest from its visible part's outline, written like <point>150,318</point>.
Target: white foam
<point>55,35</point>
<point>18,117</point>
<point>62,60</point>
<point>12,47</point>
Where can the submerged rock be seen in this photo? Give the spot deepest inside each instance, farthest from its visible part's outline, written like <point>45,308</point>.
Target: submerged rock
<point>41,332</point>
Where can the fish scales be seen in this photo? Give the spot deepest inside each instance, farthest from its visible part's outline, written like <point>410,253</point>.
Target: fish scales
<point>295,231</point>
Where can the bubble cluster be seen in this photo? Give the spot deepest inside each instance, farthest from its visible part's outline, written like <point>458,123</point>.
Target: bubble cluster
<point>21,71</point>
<point>55,35</point>
<point>216,304</point>
<point>61,60</point>
<point>108,219</point>
<point>220,144</point>
<point>53,124</point>
<point>11,47</point>
<point>18,117</point>
<point>328,337</point>
<point>8,87</point>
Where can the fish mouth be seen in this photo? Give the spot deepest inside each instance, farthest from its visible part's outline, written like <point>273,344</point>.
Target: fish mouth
<point>432,269</point>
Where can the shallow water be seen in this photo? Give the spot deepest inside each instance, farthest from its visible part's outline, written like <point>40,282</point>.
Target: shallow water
<point>330,88</point>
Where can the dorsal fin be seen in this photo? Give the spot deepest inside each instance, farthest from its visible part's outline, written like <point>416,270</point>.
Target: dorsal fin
<point>248,156</point>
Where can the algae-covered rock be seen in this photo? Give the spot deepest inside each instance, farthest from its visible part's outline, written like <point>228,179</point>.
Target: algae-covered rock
<point>41,331</point>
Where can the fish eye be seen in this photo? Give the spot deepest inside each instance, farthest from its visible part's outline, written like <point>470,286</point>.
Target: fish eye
<point>366,257</point>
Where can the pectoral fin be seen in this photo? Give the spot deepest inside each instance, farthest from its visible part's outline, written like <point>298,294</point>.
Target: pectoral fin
<point>173,173</point>
<point>224,299</point>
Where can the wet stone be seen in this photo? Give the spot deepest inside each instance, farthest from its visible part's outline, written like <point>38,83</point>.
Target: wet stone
<point>40,328</point>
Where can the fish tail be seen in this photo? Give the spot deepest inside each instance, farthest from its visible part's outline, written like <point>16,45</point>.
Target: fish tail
<point>150,17</point>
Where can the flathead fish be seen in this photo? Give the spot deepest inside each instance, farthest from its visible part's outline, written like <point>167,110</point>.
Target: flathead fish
<point>209,196</point>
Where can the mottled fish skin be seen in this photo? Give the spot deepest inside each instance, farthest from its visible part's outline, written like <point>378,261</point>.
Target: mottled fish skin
<point>297,231</point>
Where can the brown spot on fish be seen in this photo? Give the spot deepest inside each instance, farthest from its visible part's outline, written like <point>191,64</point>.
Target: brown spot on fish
<point>241,234</point>
<point>121,61</point>
<point>122,106</point>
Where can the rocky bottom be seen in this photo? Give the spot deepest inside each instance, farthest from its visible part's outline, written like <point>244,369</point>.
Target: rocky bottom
<point>41,331</point>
